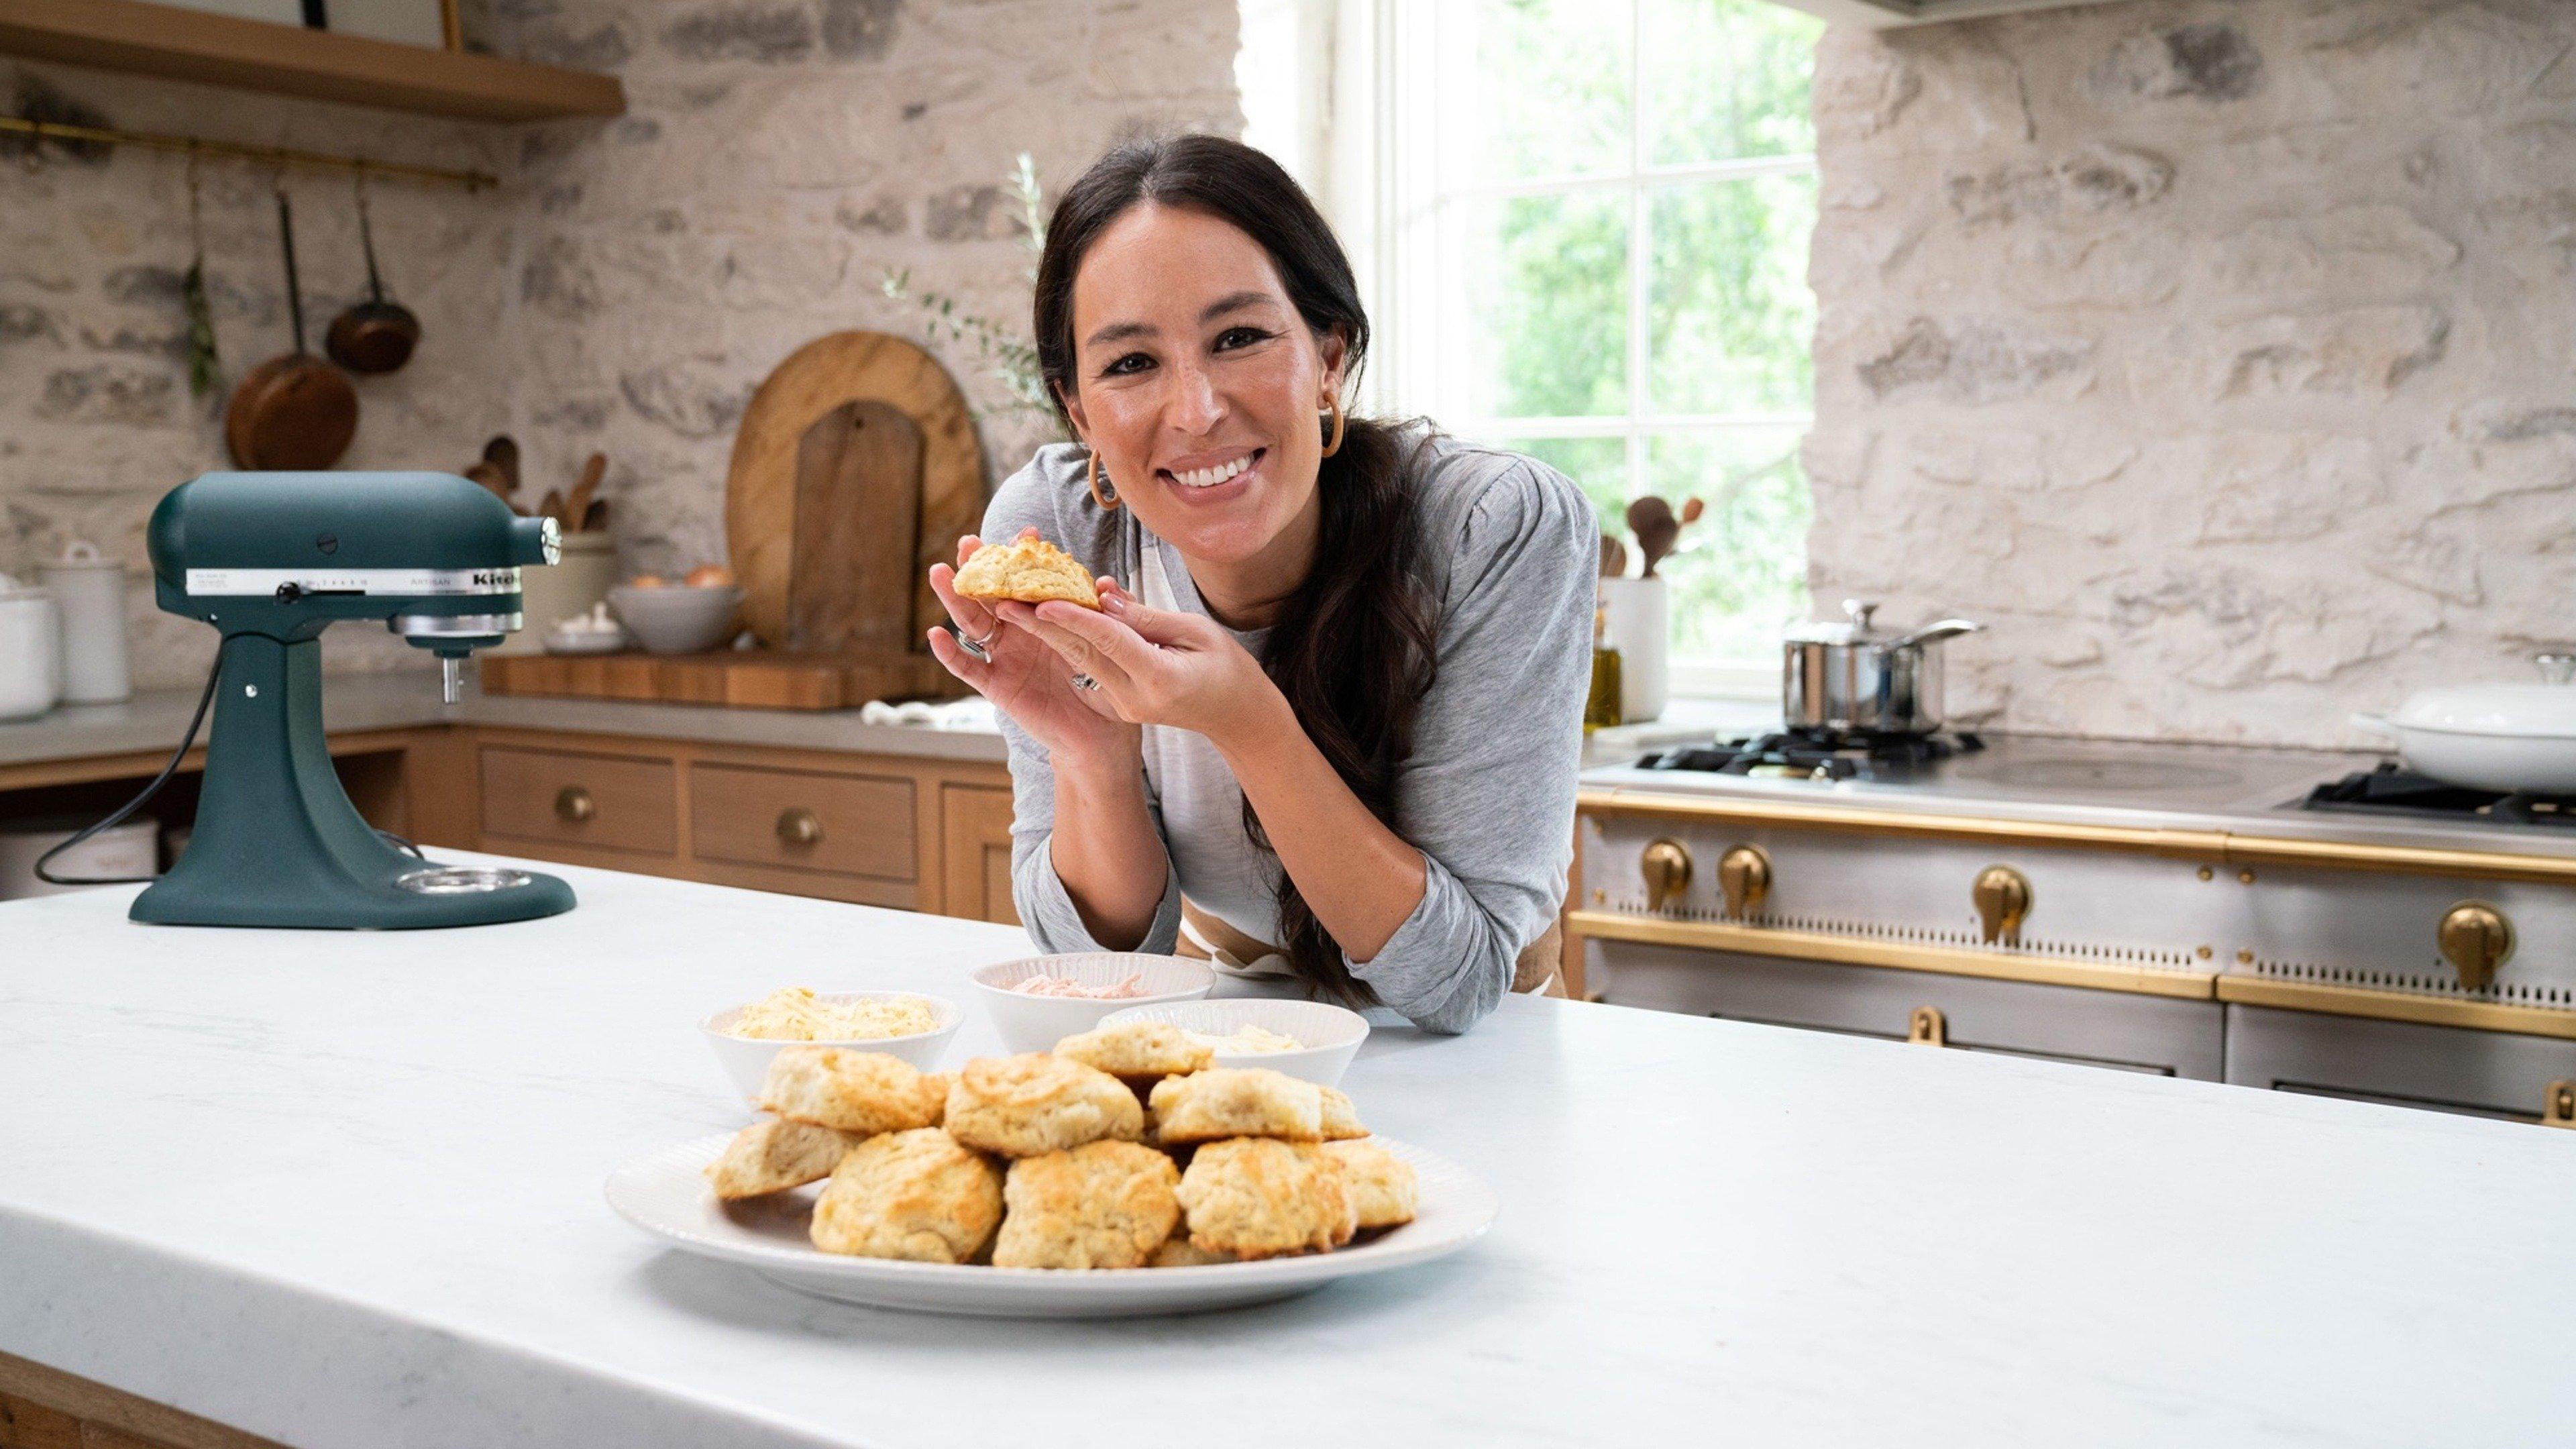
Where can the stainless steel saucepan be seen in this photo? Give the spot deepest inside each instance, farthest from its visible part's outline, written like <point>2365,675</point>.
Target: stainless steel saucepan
<point>1854,678</point>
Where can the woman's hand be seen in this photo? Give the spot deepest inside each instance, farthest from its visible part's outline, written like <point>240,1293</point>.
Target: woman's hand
<point>1026,679</point>
<point>1156,666</point>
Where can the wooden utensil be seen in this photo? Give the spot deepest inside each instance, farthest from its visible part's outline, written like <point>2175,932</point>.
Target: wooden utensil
<point>374,336</point>
<point>552,506</point>
<point>1614,557</point>
<point>594,519</point>
<point>577,507</point>
<point>491,479</point>
<point>857,521</point>
<point>502,452</point>
<point>297,412</point>
<point>1651,519</point>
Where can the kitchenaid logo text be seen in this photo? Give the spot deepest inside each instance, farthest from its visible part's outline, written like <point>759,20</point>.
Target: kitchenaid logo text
<point>408,583</point>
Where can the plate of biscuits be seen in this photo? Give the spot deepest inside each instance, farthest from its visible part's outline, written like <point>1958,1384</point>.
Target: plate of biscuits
<point>1122,1173</point>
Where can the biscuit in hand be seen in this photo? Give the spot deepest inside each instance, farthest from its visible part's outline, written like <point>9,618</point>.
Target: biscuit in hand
<point>916,1195</point>
<point>1237,1102</point>
<point>853,1091</point>
<point>1037,1103</point>
<point>1030,570</point>
<point>774,1156</point>
<point>1101,1205</point>
<point>1138,1051</point>
<point>1384,1191</point>
<point>1257,1197</point>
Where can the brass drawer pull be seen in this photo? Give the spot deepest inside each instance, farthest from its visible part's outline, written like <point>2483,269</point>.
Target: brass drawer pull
<point>573,805</point>
<point>799,826</point>
<point>1928,1027</point>
<point>2558,1105</point>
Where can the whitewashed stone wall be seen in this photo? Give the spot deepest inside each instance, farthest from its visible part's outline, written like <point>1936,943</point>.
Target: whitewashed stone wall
<point>2221,356</point>
<point>623,290</point>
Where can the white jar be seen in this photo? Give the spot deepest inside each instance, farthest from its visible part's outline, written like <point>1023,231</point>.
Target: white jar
<point>31,644</point>
<point>1641,625</point>
<point>90,591</point>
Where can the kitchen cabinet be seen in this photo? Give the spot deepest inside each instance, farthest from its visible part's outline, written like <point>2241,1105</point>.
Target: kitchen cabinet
<point>977,820</point>
<point>598,802</point>
<point>2486,1073</point>
<point>44,1408</point>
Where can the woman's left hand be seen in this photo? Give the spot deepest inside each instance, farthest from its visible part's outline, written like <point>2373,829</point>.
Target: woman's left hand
<point>1155,666</point>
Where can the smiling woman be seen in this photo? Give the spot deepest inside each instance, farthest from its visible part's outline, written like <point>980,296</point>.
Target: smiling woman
<point>1331,698</point>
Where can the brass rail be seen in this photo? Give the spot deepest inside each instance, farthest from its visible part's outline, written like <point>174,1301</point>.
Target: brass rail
<point>274,155</point>
<point>2396,1006</point>
<point>1901,956</point>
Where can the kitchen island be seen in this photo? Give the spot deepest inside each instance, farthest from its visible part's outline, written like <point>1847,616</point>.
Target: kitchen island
<point>345,1190</point>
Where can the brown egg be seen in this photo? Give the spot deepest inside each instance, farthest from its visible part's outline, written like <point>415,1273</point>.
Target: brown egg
<point>710,576</point>
<point>648,581</point>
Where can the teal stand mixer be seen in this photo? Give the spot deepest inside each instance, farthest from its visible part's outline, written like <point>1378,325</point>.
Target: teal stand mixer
<point>271,560</point>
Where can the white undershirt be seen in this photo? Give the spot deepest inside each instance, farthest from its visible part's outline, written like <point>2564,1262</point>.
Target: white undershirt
<point>1221,870</point>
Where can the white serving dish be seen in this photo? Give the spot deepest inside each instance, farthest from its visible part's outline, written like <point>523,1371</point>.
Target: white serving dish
<point>560,640</point>
<point>2507,737</point>
<point>1036,1023</point>
<point>677,618</point>
<point>1331,1033</point>
<point>746,1059</point>
<point>665,1193</point>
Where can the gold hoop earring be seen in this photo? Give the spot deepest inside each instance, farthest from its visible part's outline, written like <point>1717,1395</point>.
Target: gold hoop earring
<point>1108,498</point>
<point>1333,444</point>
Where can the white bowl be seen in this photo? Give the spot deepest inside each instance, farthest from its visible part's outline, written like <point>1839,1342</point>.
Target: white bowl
<point>675,618</point>
<point>1036,1023</point>
<point>1332,1035</point>
<point>746,1059</point>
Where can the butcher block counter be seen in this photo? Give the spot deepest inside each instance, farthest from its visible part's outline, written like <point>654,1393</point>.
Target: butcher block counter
<point>343,1189</point>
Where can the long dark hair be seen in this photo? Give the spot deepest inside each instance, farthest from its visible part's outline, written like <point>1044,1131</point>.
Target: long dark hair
<point>1352,647</point>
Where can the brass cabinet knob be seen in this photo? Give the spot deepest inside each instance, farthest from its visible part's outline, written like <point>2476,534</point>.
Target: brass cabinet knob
<point>1928,1027</point>
<point>1668,871</point>
<point>1744,880</point>
<point>2475,938</point>
<point>800,826</point>
<point>2002,895</point>
<point>2558,1104</point>
<point>573,805</point>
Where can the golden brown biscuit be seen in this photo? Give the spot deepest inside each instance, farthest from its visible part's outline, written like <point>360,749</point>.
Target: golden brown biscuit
<point>1179,1252</point>
<point>1256,1197</point>
<point>855,1091</point>
<point>934,1090</point>
<point>916,1195</point>
<point>1383,1189</point>
<point>774,1156</point>
<point>1341,1120</point>
<point>1030,570</point>
<point>1037,1103</point>
<point>1138,1050</point>
<point>1237,1102</point>
<point>1101,1205</point>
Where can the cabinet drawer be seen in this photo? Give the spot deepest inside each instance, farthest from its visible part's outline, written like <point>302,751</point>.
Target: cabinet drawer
<point>803,820</point>
<point>2404,1063</point>
<point>608,802</point>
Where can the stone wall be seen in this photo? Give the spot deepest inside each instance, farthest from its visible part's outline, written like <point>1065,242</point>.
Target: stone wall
<point>623,290</point>
<point>2221,356</point>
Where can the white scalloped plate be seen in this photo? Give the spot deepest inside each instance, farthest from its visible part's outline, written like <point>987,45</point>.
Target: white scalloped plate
<point>665,1193</point>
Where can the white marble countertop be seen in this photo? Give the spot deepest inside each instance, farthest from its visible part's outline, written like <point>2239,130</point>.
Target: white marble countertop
<point>345,1190</point>
<point>154,720</point>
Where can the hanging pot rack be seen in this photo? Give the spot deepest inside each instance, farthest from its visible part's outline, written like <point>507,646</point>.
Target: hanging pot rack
<point>273,155</point>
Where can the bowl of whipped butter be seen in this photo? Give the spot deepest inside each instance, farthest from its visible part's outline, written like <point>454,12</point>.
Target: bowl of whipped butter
<point>1313,1040</point>
<point>905,1024</point>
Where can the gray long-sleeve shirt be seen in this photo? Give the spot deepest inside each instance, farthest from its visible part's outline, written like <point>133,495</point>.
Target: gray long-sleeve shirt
<point>1487,794</point>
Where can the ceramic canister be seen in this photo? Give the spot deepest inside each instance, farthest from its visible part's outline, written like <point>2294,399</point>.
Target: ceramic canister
<point>30,651</point>
<point>90,592</point>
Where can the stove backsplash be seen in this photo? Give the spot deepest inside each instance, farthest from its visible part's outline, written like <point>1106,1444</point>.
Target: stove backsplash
<point>2219,355</point>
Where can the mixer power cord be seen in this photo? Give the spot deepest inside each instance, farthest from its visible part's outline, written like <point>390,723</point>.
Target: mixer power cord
<point>187,742</point>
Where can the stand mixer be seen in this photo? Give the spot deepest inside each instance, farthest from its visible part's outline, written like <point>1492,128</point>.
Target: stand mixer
<point>271,560</point>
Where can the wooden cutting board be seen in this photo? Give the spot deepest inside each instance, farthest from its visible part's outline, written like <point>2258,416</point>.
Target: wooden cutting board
<point>850,576</point>
<point>750,678</point>
<point>764,496</point>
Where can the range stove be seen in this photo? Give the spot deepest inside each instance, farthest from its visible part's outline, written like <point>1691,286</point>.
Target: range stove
<point>1799,754</point>
<point>2392,790</point>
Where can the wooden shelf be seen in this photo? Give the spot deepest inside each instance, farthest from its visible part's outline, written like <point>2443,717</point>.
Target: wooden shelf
<point>164,40</point>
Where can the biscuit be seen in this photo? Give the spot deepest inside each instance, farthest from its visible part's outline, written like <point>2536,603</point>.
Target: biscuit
<point>1138,1050</point>
<point>1179,1252</point>
<point>774,1156</point>
<point>915,1194</point>
<point>1237,1102</point>
<point>1030,570</point>
<point>854,1091</point>
<point>1101,1205</point>
<point>1383,1189</point>
<point>1037,1103</point>
<point>1341,1120</point>
<point>1256,1197</point>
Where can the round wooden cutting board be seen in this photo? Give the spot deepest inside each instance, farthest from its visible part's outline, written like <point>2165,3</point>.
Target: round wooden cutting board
<point>761,484</point>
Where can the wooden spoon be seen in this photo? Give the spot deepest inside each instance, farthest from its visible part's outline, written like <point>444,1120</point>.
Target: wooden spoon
<point>577,507</point>
<point>1651,519</point>
<point>503,453</point>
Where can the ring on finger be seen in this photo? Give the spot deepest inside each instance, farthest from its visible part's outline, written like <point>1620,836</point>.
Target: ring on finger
<point>1084,681</point>
<point>976,647</point>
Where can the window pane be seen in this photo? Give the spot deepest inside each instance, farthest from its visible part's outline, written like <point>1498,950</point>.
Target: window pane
<point>1732,315</point>
<point>1740,573</point>
<point>1532,88</point>
<point>1598,465</point>
<point>1540,303</point>
<point>1726,78</point>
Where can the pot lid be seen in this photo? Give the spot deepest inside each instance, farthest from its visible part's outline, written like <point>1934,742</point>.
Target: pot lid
<point>1860,630</point>
<point>2543,710</point>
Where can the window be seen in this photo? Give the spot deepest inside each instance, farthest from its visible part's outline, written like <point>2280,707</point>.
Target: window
<point>1585,228</point>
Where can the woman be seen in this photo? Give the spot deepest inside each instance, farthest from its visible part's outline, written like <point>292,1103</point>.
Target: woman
<point>1330,709</point>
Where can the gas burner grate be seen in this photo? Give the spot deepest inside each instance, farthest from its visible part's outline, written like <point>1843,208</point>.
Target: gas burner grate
<point>1814,756</point>
<point>2393,789</point>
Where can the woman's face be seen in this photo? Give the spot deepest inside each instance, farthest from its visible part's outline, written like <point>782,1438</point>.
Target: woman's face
<point>1196,383</point>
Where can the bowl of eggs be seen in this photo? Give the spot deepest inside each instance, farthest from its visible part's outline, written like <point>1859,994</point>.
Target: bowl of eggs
<point>690,616</point>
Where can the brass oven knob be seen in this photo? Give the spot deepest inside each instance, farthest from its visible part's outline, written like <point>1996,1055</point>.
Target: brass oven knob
<point>2002,895</point>
<point>1668,871</point>
<point>2475,938</point>
<point>573,805</point>
<point>1744,880</point>
<point>800,826</point>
